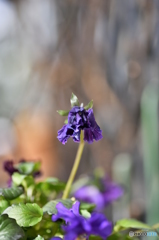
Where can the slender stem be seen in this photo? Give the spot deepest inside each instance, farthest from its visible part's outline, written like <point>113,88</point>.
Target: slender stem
<point>75,168</point>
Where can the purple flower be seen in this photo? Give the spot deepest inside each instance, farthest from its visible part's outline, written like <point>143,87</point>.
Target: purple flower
<point>9,167</point>
<point>108,193</point>
<point>77,225</point>
<point>80,119</point>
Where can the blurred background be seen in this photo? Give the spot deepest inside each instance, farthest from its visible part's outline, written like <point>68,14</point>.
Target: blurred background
<point>105,50</point>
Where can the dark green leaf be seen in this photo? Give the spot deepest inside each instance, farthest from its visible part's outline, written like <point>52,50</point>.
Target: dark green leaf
<point>63,112</point>
<point>39,238</point>
<point>25,215</point>
<point>11,193</point>
<point>89,105</point>
<point>50,207</point>
<point>87,206</point>
<point>129,223</point>
<point>28,167</point>
<point>9,229</point>
<point>74,100</point>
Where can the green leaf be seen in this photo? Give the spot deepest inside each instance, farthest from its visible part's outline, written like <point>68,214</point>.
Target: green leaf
<point>74,100</point>
<point>9,229</point>
<point>129,223</point>
<point>26,215</point>
<point>11,193</point>
<point>50,207</point>
<point>3,205</point>
<point>87,206</point>
<point>123,236</point>
<point>17,178</point>
<point>92,237</point>
<point>28,181</point>
<point>39,238</point>
<point>89,105</point>
<point>24,180</point>
<point>27,168</point>
<point>66,121</point>
<point>50,184</point>
<point>85,213</point>
<point>63,112</point>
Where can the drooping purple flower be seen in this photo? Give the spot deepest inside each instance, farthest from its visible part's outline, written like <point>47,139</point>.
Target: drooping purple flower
<point>80,119</point>
<point>77,225</point>
<point>109,192</point>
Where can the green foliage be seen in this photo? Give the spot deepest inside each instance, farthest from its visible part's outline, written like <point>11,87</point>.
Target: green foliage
<point>63,112</point>
<point>25,215</point>
<point>27,168</point>
<point>121,236</point>
<point>85,213</point>
<point>39,238</point>
<point>9,229</point>
<point>18,178</point>
<point>27,207</point>
<point>74,100</point>
<point>3,205</point>
<point>87,206</point>
<point>50,207</point>
<point>51,184</point>
<point>89,105</point>
<point>129,223</point>
<point>11,193</point>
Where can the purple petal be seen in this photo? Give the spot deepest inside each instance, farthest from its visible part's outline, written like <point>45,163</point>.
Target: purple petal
<point>9,167</point>
<point>90,194</point>
<point>88,136</point>
<point>75,208</point>
<point>113,192</point>
<point>71,235</point>
<point>100,225</point>
<point>64,133</point>
<point>93,131</point>
<point>62,212</point>
<point>76,136</point>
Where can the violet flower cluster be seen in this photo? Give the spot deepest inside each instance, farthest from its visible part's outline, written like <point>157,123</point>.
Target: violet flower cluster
<point>80,119</point>
<point>105,193</point>
<point>78,226</point>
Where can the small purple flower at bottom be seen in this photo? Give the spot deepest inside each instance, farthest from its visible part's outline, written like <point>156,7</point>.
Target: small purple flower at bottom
<point>80,119</point>
<point>77,225</point>
<point>100,197</point>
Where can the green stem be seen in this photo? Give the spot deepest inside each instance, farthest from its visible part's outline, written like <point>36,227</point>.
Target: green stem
<point>75,168</point>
